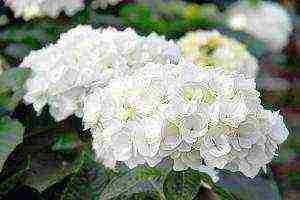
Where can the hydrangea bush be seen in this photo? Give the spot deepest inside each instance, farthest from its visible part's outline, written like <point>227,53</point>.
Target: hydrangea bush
<point>147,98</point>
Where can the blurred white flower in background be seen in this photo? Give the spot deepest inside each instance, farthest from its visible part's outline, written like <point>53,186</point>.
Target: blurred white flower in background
<point>29,9</point>
<point>210,49</point>
<point>146,98</point>
<point>104,3</point>
<point>266,21</point>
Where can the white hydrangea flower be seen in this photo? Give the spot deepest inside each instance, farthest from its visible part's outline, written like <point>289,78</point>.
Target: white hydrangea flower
<point>227,98</point>
<point>29,9</point>
<point>82,58</point>
<point>247,148</point>
<point>210,50</point>
<point>104,3</point>
<point>266,21</point>
<point>143,101</point>
<point>63,72</point>
<point>138,102</point>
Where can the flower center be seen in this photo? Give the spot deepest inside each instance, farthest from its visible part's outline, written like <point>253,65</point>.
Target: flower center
<point>129,113</point>
<point>210,96</point>
<point>189,94</point>
<point>164,99</point>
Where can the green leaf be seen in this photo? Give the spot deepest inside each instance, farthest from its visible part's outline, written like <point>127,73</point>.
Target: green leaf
<point>48,165</point>
<point>11,87</point>
<point>192,184</point>
<point>182,185</point>
<point>141,179</point>
<point>254,3</point>
<point>94,181</point>
<point>3,64</point>
<point>11,134</point>
<point>87,182</point>
<point>52,162</point>
<point>65,142</point>
<point>49,168</point>
<point>14,180</point>
<point>83,16</point>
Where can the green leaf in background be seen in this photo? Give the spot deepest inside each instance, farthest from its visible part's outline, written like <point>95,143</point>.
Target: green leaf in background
<point>33,33</point>
<point>11,134</point>
<point>171,19</point>
<point>254,2</point>
<point>11,87</point>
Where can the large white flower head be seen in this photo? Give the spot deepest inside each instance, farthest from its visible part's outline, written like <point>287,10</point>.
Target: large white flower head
<point>29,9</point>
<point>138,104</point>
<point>210,49</point>
<point>143,101</point>
<point>83,58</point>
<point>266,21</point>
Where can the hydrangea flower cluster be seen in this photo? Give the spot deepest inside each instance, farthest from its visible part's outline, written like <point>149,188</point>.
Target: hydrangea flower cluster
<point>83,58</point>
<point>145,98</point>
<point>266,21</point>
<point>29,9</point>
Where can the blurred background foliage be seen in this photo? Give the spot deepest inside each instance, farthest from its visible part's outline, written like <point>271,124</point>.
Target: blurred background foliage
<point>42,159</point>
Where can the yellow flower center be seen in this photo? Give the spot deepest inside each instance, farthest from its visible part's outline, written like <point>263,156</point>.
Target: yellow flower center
<point>164,99</point>
<point>210,97</point>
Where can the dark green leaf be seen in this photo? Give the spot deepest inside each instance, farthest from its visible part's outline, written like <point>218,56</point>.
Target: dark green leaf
<point>11,134</point>
<point>14,180</point>
<point>65,142</point>
<point>182,185</point>
<point>11,87</point>
<point>47,164</point>
<point>49,168</point>
<point>52,164</point>
<point>191,184</point>
<point>141,179</point>
<point>88,182</point>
